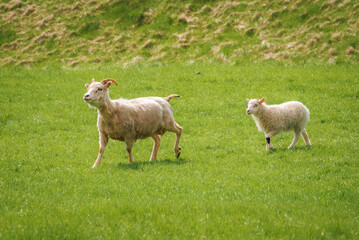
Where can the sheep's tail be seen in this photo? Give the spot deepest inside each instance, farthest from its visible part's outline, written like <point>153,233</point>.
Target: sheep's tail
<point>170,96</point>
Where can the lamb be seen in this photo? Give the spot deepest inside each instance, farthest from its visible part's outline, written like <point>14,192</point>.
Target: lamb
<point>129,120</point>
<point>273,119</point>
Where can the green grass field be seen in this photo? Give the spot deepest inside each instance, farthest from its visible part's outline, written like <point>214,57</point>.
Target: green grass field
<point>223,186</point>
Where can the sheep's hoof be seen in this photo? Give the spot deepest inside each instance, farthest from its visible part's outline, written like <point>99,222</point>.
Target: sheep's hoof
<point>179,153</point>
<point>270,148</point>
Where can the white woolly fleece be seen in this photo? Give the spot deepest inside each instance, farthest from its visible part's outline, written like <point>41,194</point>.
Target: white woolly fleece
<point>283,117</point>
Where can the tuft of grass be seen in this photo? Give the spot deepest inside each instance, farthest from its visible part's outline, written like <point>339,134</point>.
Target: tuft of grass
<point>89,28</point>
<point>223,186</point>
<point>7,34</point>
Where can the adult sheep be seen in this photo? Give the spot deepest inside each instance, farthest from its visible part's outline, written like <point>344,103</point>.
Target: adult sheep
<point>129,120</point>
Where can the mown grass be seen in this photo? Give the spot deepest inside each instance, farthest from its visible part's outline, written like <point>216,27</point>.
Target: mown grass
<point>224,185</point>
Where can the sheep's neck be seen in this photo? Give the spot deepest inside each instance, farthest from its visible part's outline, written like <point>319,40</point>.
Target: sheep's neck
<point>262,112</point>
<point>106,108</point>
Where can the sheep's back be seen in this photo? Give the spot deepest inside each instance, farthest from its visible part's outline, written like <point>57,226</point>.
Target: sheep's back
<point>146,115</point>
<point>284,117</point>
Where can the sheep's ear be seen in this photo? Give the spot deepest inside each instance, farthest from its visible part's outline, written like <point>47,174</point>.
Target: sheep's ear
<point>87,86</point>
<point>247,99</point>
<point>262,100</point>
<point>108,80</point>
<point>93,80</point>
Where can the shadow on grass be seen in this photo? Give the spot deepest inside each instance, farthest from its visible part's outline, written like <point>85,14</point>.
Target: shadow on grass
<point>285,149</point>
<point>140,165</point>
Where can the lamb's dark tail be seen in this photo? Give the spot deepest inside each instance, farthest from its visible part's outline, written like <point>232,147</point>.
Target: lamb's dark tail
<point>170,96</point>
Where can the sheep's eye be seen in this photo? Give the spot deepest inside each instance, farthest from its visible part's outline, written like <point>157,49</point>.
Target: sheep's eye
<point>255,106</point>
<point>99,89</point>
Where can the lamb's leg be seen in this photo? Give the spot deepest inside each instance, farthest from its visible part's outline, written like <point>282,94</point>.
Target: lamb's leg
<point>295,139</point>
<point>306,138</point>
<point>268,137</point>
<point>103,143</point>
<point>129,145</point>
<point>156,146</point>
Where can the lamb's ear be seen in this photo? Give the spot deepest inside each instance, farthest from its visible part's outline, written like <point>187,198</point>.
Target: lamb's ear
<point>93,80</point>
<point>87,86</point>
<point>247,99</point>
<point>262,100</point>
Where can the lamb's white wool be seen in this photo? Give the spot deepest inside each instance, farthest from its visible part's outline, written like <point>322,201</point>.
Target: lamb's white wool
<point>273,119</point>
<point>129,120</point>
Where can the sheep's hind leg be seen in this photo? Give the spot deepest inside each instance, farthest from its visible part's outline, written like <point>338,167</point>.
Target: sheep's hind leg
<point>156,146</point>
<point>129,145</point>
<point>178,130</point>
<point>306,138</point>
<point>103,143</point>
<point>295,139</point>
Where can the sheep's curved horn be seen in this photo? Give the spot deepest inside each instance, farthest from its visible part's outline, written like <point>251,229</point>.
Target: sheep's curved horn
<point>108,80</point>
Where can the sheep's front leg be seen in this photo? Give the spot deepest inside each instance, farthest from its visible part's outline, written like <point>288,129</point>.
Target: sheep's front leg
<point>156,146</point>
<point>129,145</point>
<point>103,143</point>
<point>268,137</point>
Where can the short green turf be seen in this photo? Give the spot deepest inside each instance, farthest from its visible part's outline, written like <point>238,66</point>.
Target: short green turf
<point>223,186</point>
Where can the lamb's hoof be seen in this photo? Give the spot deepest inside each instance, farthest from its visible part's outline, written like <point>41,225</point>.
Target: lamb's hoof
<point>270,148</point>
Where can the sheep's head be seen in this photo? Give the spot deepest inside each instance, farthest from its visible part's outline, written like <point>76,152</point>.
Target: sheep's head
<point>97,91</point>
<point>254,105</point>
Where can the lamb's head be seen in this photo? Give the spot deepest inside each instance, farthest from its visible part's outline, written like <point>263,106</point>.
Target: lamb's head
<point>254,105</point>
<point>97,92</point>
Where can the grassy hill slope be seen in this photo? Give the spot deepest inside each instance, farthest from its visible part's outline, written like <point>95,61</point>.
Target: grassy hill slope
<point>126,32</point>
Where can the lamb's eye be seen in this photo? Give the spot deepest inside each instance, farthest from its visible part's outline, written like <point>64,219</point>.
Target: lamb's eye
<point>99,89</point>
<point>255,106</point>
